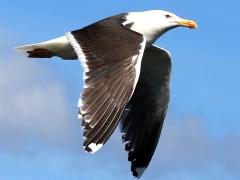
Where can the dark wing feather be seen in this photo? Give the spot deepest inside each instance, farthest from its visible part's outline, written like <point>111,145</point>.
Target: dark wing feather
<point>111,56</point>
<point>143,118</point>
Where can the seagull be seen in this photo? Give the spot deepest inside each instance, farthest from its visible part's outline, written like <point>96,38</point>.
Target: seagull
<point>126,78</point>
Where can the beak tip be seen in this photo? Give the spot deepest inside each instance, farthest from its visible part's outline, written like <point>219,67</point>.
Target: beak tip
<point>194,27</point>
<point>189,23</point>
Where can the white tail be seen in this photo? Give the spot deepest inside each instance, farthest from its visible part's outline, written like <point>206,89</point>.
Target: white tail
<point>57,47</point>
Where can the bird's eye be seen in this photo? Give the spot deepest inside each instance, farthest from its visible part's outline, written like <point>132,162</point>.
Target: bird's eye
<point>168,16</point>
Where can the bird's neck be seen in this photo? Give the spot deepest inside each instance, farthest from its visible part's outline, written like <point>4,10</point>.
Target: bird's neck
<point>147,25</point>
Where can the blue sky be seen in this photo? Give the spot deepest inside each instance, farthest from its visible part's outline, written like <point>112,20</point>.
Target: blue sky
<point>40,135</point>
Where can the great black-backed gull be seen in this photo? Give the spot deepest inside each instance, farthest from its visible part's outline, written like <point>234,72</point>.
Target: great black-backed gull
<point>126,78</point>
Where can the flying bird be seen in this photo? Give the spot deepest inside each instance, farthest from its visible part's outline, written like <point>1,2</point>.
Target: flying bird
<point>126,78</point>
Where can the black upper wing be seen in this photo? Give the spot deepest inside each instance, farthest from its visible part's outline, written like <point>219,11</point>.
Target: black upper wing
<point>143,118</point>
<point>111,57</point>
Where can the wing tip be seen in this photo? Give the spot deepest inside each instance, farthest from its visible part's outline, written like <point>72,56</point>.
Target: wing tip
<point>93,147</point>
<point>138,171</point>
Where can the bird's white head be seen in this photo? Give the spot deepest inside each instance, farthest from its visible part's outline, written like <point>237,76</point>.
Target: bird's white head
<point>152,24</point>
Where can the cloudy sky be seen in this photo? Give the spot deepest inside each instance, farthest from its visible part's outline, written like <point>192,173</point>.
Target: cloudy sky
<point>40,135</point>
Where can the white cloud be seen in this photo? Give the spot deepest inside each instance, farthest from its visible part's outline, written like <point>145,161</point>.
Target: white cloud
<point>34,106</point>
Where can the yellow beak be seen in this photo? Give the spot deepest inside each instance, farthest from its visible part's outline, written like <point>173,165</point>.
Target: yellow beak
<point>188,23</point>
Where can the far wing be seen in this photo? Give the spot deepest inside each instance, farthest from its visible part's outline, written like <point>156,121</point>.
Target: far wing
<point>144,115</point>
<point>111,56</point>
